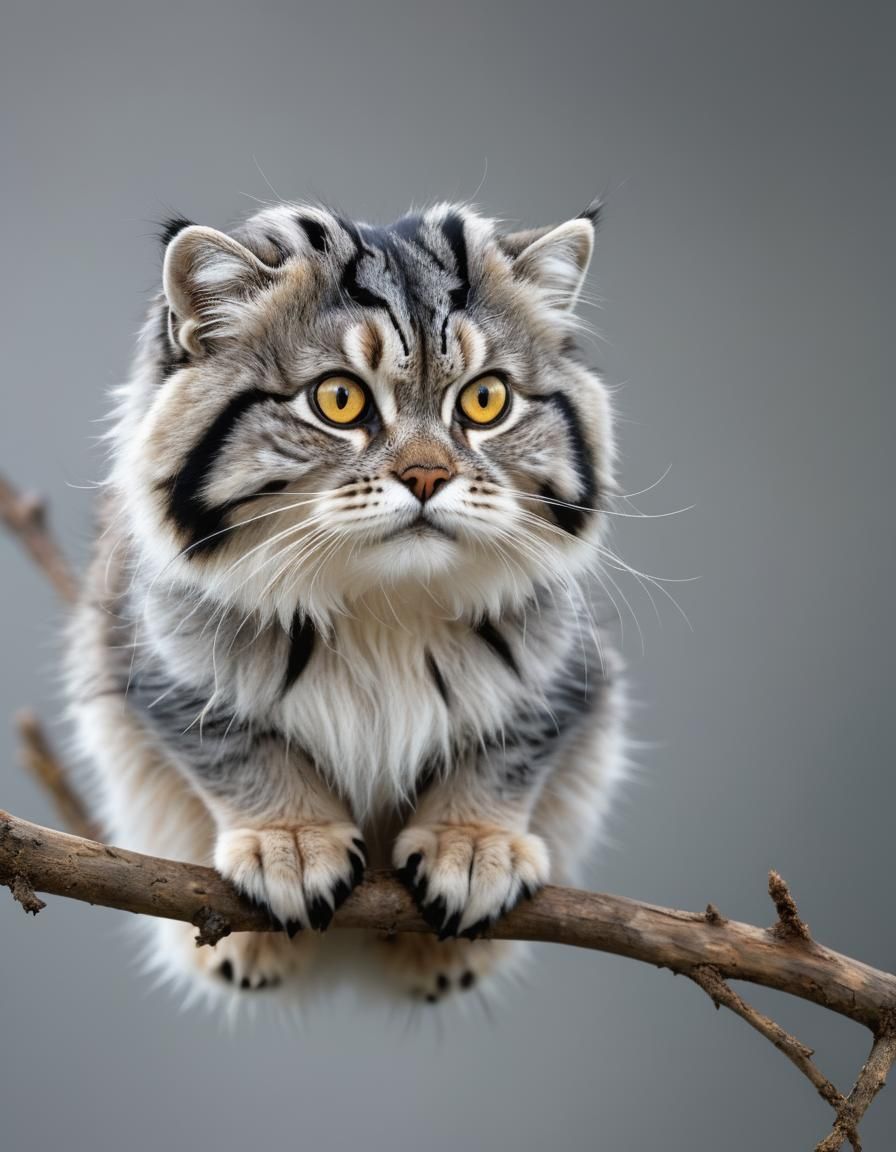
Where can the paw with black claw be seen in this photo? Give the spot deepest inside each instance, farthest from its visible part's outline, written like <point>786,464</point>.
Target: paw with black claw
<point>464,877</point>
<point>300,874</point>
<point>431,971</point>
<point>251,961</point>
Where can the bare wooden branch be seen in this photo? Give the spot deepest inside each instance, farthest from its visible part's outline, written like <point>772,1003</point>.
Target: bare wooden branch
<point>25,516</point>
<point>871,1079</point>
<point>40,760</point>
<point>710,980</point>
<point>64,865</point>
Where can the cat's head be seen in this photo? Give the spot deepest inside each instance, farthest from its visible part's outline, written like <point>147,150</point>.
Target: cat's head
<point>323,409</point>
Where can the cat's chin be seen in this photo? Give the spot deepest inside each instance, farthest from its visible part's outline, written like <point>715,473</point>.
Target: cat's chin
<point>419,552</point>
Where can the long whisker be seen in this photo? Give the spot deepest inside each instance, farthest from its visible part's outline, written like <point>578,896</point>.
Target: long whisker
<point>520,495</point>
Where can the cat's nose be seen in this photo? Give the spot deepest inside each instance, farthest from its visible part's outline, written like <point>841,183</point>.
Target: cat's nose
<point>425,480</point>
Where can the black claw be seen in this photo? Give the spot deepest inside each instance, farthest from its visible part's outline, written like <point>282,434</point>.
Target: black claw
<point>320,913</point>
<point>357,868</point>
<point>431,998</point>
<point>244,983</point>
<point>408,874</point>
<point>468,979</point>
<point>442,982</point>
<point>450,926</point>
<point>340,893</point>
<point>434,913</point>
<point>262,983</point>
<point>226,971</point>
<point>360,845</point>
<point>292,927</point>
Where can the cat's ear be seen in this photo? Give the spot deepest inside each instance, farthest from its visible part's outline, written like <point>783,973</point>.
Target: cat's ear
<point>555,258</point>
<point>207,278</point>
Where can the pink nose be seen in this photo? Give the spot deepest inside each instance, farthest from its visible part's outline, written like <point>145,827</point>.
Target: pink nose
<point>425,481</point>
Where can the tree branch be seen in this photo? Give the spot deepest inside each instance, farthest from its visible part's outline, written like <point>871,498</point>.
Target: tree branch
<point>26,517</point>
<point>871,1079</point>
<point>41,762</point>
<point>64,865</point>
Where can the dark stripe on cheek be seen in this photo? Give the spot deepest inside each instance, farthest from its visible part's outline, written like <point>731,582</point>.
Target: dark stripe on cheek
<point>269,489</point>
<point>186,504</point>
<point>437,678</point>
<point>493,638</point>
<point>572,520</point>
<point>301,646</point>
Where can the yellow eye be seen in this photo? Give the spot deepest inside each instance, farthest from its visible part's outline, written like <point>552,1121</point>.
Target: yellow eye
<point>484,401</point>
<point>340,399</point>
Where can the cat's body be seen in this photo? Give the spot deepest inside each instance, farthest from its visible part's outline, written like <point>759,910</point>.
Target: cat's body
<point>342,612</point>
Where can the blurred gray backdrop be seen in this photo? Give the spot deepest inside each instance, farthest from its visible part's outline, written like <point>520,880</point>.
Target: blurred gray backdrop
<point>745,271</point>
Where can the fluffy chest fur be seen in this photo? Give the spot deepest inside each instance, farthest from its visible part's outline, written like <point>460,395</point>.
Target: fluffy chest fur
<point>390,695</point>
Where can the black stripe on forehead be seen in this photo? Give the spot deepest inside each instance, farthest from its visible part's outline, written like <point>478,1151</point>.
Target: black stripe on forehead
<point>358,292</point>
<point>408,228</point>
<point>459,296</point>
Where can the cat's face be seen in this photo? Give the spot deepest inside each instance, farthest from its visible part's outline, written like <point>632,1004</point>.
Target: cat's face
<point>337,409</point>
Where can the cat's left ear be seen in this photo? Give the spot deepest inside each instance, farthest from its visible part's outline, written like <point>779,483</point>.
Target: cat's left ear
<point>556,259</point>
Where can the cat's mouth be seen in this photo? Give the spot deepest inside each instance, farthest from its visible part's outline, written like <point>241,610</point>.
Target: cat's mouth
<point>419,528</point>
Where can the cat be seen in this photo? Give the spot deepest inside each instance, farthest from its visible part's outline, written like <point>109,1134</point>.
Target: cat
<point>343,610</point>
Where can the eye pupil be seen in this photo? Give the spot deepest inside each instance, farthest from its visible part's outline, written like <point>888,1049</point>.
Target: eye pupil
<point>341,397</point>
<point>483,396</point>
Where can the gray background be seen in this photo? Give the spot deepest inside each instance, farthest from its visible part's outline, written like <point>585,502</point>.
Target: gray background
<point>745,270</point>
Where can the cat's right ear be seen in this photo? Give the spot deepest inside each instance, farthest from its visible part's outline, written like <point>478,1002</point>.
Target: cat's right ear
<point>208,277</point>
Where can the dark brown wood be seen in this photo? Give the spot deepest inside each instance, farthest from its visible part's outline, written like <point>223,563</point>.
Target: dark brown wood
<point>43,764</point>
<point>63,865</point>
<point>26,517</point>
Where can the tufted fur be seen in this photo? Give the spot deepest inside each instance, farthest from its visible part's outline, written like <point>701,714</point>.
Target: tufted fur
<point>287,665</point>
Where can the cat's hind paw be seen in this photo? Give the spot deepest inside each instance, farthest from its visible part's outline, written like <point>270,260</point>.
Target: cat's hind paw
<point>430,970</point>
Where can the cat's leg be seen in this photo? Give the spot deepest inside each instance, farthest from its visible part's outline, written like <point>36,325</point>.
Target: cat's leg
<point>498,828</point>
<point>467,856</point>
<point>281,835</point>
<point>146,805</point>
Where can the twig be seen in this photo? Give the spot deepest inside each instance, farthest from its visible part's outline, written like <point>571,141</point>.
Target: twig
<point>789,925</point>
<point>43,765</point>
<point>26,517</point>
<point>710,980</point>
<point>871,1079</point>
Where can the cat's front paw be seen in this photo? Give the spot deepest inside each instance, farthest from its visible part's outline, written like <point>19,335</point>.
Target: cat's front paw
<point>465,876</point>
<point>300,873</point>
